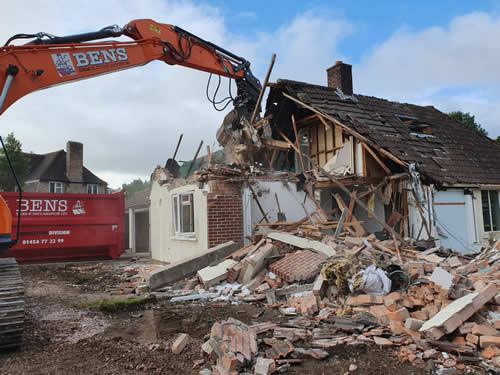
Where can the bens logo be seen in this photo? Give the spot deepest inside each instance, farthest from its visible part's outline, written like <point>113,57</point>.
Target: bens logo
<point>100,57</point>
<point>88,60</point>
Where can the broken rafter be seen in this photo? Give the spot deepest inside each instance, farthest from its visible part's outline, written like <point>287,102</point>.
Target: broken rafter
<point>259,124</point>
<point>177,148</point>
<point>261,94</point>
<point>194,159</point>
<point>377,159</point>
<point>351,207</point>
<point>274,144</point>
<point>348,130</point>
<point>327,127</point>
<point>289,142</point>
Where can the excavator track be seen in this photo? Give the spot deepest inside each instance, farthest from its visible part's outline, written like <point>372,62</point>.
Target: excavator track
<point>11,304</point>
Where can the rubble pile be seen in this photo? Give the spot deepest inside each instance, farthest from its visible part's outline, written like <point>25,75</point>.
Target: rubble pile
<point>133,279</point>
<point>434,307</point>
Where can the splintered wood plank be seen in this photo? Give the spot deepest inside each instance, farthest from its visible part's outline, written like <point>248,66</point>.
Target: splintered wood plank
<point>358,228</point>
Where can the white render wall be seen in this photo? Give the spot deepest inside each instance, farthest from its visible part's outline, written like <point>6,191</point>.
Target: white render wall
<point>165,246</point>
<point>290,203</point>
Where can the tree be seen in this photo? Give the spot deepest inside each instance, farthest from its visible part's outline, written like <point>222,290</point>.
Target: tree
<point>498,140</point>
<point>468,120</point>
<point>20,163</point>
<point>135,186</point>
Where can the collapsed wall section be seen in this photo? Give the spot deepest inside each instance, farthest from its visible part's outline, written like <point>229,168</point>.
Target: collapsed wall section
<point>225,212</point>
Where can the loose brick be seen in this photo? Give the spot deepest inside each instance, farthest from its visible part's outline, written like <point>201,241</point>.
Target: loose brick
<point>485,341</point>
<point>180,343</point>
<point>382,341</point>
<point>473,339</point>
<point>459,340</point>
<point>483,330</point>
<point>401,314</point>
<point>397,327</point>
<point>365,299</point>
<point>413,324</point>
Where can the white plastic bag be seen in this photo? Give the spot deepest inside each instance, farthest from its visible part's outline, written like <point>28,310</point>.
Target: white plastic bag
<point>374,281</point>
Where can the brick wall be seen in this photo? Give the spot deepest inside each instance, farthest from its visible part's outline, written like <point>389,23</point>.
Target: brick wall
<point>225,212</point>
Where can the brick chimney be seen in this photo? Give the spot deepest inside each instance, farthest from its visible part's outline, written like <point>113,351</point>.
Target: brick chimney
<point>340,76</point>
<point>74,161</point>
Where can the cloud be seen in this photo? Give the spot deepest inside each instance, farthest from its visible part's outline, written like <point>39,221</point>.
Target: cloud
<point>428,66</point>
<point>130,121</point>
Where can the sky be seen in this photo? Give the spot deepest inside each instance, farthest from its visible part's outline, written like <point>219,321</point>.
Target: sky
<point>444,54</point>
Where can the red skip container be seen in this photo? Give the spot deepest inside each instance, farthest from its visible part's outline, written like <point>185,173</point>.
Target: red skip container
<point>57,227</point>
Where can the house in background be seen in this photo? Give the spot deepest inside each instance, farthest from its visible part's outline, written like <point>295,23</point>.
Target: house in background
<point>62,172</point>
<point>137,224</point>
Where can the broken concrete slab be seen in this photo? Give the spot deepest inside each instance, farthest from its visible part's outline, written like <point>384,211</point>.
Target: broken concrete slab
<point>457,312</point>
<point>303,243</point>
<point>212,275</point>
<point>442,278</point>
<point>254,263</point>
<point>180,270</point>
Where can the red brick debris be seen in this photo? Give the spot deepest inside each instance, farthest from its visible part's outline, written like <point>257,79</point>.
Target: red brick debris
<point>298,266</point>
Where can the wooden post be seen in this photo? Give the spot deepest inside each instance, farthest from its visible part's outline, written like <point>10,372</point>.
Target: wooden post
<point>253,194</point>
<point>194,159</point>
<point>261,94</point>
<point>298,143</point>
<point>177,148</point>
<point>209,155</point>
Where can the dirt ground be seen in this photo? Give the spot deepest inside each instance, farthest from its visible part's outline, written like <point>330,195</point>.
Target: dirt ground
<point>64,336</point>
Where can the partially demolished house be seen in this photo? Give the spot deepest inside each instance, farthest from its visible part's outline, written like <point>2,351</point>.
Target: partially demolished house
<point>340,162</point>
<point>450,186</point>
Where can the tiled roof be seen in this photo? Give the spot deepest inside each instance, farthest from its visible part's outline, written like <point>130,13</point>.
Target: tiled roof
<point>52,167</point>
<point>452,155</point>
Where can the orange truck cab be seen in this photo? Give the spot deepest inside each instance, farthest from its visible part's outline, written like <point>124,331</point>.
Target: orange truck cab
<point>5,226</point>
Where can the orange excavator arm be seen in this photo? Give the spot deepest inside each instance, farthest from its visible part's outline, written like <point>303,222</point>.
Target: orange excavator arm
<point>49,60</point>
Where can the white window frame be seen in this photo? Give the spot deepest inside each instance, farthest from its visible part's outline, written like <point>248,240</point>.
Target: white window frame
<point>490,192</point>
<point>92,186</point>
<point>56,187</point>
<point>177,216</point>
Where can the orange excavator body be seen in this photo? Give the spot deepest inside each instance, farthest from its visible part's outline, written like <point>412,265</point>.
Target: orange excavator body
<point>5,225</point>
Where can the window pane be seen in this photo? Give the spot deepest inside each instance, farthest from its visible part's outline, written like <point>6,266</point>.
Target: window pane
<point>187,213</point>
<point>494,210</point>
<point>51,187</point>
<point>175,213</point>
<point>486,210</point>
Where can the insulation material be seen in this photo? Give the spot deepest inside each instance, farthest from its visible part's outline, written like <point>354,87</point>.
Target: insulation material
<point>373,281</point>
<point>340,163</point>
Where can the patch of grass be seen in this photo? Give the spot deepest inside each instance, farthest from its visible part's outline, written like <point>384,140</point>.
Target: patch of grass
<point>115,305</point>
